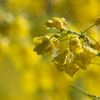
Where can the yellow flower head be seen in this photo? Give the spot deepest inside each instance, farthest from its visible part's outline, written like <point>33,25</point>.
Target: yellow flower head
<point>89,50</point>
<point>49,23</point>
<point>40,48</point>
<point>57,23</point>
<point>45,45</point>
<point>84,58</point>
<point>89,54</point>
<point>75,45</point>
<point>62,56</point>
<point>49,49</point>
<point>97,22</point>
<point>61,59</point>
<point>71,68</point>
<point>97,46</point>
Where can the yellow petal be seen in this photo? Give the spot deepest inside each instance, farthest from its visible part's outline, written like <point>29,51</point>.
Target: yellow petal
<point>40,48</point>
<point>49,23</point>
<point>49,49</point>
<point>58,23</point>
<point>62,56</point>
<point>97,46</point>
<point>82,65</point>
<point>59,66</point>
<point>71,68</point>
<point>38,39</point>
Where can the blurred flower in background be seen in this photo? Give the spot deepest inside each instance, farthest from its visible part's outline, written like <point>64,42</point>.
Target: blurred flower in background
<point>26,76</point>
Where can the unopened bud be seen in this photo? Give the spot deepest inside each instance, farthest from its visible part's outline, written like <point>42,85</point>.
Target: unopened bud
<point>97,22</point>
<point>88,40</point>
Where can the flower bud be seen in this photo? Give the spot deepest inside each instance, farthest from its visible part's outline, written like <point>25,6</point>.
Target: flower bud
<point>88,40</point>
<point>58,23</point>
<point>49,23</point>
<point>97,22</point>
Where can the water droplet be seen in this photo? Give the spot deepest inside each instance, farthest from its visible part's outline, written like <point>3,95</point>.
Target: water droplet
<point>52,61</point>
<point>54,28</point>
<point>56,54</point>
<point>69,59</point>
<point>48,28</point>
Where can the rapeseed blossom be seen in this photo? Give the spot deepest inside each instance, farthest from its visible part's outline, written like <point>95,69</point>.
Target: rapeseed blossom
<point>45,45</point>
<point>84,58</point>
<point>57,23</point>
<point>78,53</point>
<point>75,45</point>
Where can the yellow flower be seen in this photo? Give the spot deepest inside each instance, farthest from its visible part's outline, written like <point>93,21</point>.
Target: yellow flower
<point>84,58</point>
<point>71,68</point>
<point>97,46</point>
<point>75,45</point>
<point>45,45</point>
<point>97,22</point>
<point>49,23</point>
<point>49,49</point>
<point>89,54</point>
<point>60,59</point>
<point>40,48</point>
<point>62,56</point>
<point>57,23</point>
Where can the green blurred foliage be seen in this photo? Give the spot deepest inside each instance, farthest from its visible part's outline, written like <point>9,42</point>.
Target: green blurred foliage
<point>26,76</point>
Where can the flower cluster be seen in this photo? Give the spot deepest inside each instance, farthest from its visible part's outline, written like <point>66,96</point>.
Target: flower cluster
<point>78,53</point>
<point>57,23</point>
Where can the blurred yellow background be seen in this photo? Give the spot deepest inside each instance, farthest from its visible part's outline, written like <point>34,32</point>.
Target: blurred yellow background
<point>26,76</point>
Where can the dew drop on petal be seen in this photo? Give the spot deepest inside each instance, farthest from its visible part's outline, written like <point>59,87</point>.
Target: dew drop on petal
<point>56,54</point>
<point>69,59</point>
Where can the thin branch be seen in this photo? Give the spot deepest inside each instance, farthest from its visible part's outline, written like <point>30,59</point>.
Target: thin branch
<point>86,93</point>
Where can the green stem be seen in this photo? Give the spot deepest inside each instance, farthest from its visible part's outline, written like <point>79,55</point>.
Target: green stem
<point>86,93</point>
<point>95,63</point>
<point>54,34</point>
<point>64,40</point>
<point>88,28</point>
<point>60,37</point>
<point>67,40</point>
<point>51,36</point>
<point>72,32</point>
<point>79,89</point>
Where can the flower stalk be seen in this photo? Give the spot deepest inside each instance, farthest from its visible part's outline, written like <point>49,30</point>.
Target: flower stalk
<point>86,93</point>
